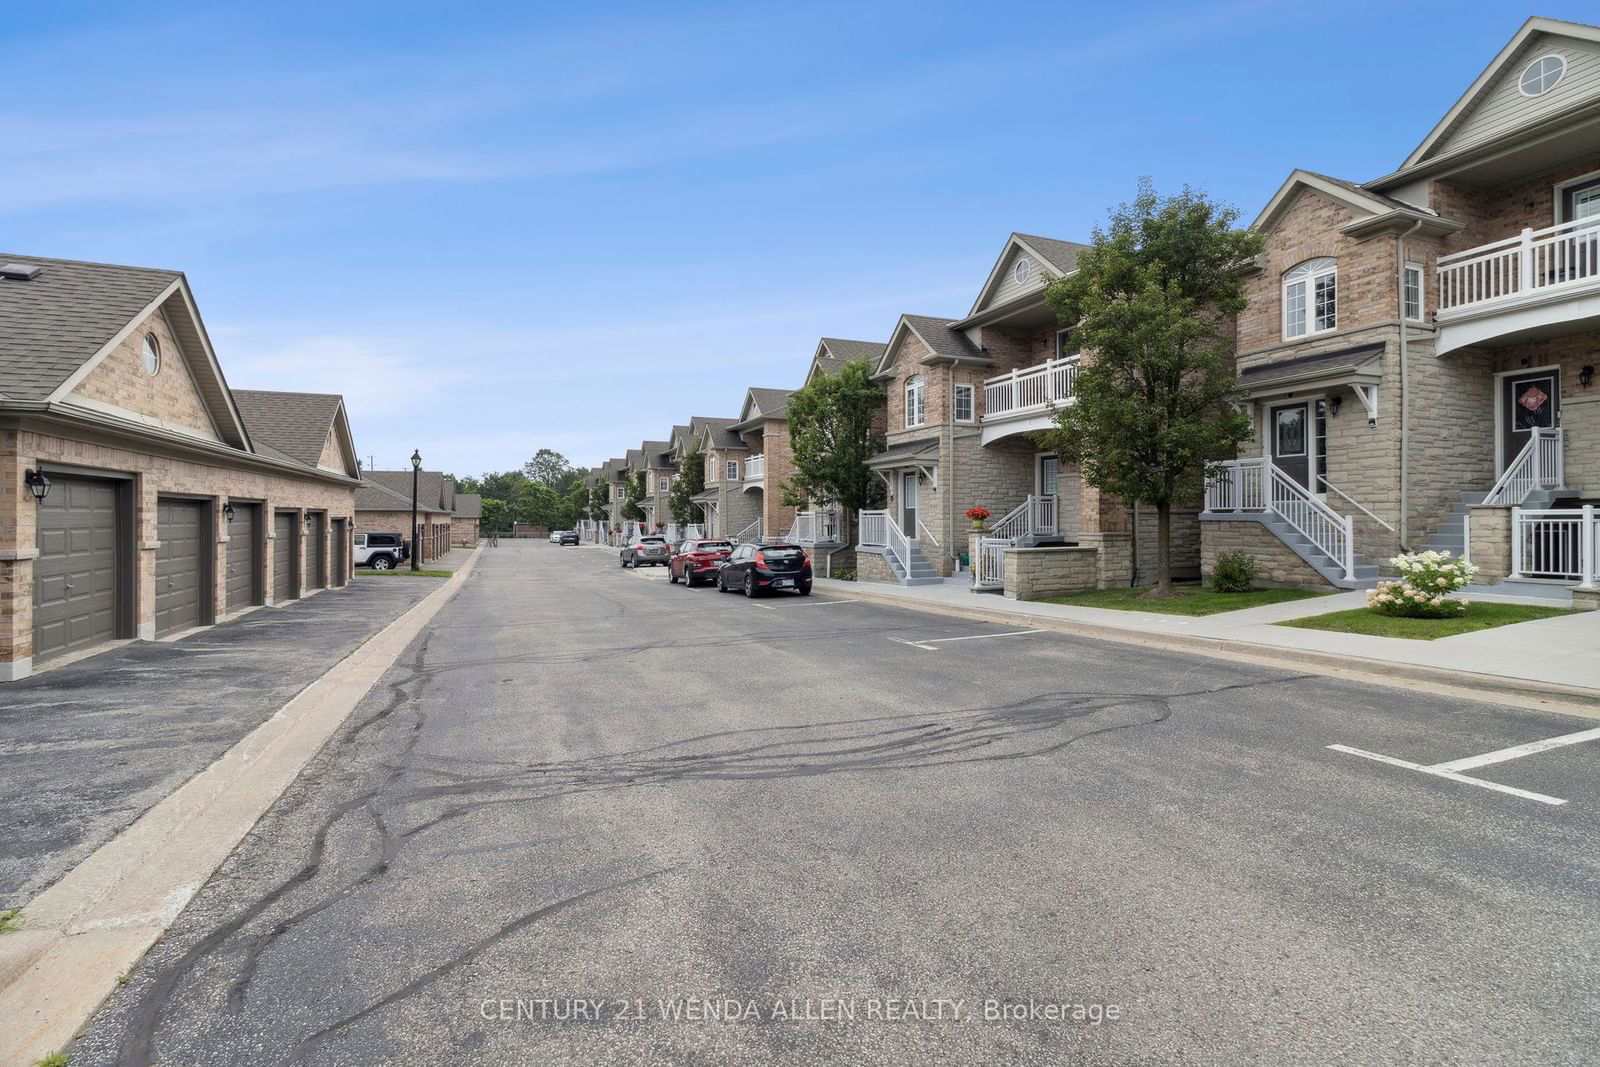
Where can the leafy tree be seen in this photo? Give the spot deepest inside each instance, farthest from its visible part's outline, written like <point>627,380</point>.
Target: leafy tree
<point>831,434</point>
<point>1150,305</point>
<point>691,480</point>
<point>496,514</point>
<point>631,497</point>
<point>549,467</point>
<point>599,497</point>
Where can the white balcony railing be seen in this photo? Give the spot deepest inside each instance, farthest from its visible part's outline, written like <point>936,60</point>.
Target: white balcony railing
<point>1540,465</point>
<point>1030,391</point>
<point>1563,544</point>
<point>755,468</point>
<point>1531,262</point>
<point>879,530</point>
<point>1257,485</point>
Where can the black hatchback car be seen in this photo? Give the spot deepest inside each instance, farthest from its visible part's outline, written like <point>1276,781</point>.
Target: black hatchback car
<point>754,569</point>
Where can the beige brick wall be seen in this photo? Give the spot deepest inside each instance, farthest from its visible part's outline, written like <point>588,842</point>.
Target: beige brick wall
<point>463,531</point>
<point>872,567</point>
<point>776,517</point>
<point>154,474</point>
<point>1580,418</point>
<point>168,395</point>
<point>1490,533</point>
<point>1278,565</point>
<point>1032,573</point>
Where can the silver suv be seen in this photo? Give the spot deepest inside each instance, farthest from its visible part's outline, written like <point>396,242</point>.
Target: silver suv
<point>646,550</point>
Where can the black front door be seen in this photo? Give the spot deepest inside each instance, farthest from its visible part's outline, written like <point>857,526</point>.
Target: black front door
<point>1528,401</point>
<point>1291,441</point>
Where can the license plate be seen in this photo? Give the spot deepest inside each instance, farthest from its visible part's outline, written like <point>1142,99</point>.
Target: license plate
<point>782,583</point>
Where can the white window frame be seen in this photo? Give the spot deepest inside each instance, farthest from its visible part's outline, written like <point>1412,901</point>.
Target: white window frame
<point>730,470</point>
<point>1308,274</point>
<point>916,396</point>
<point>1422,293</point>
<point>971,392</point>
<point>1561,72</point>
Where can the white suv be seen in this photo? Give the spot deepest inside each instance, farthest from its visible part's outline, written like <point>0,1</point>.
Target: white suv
<point>380,551</point>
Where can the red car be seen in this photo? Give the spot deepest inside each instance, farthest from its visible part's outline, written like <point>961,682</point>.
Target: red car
<point>697,559</point>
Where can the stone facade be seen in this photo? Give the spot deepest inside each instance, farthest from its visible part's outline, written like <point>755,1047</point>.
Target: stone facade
<point>1033,573</point>
<point>1277,562</point>
<point>873,566</point>
<point>1490,547</point>
<point>155,470</point>
<point>463,531</point>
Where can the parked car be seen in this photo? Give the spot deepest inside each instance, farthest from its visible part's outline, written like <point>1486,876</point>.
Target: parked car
<point>754,569</point>
<point>569,537</point>
<point>698,559</point>
<point>555,537</point>
<point>380,551</point>
<point>649,549</point>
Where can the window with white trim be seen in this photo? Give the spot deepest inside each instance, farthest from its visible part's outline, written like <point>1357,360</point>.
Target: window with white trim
<point>731,470</point>
<point>916,401</point>
<point>1540,76</point>
<point>1413,292</point>
<point>963,402</point>
<point>1311,298</point>
<point>1065,349</point>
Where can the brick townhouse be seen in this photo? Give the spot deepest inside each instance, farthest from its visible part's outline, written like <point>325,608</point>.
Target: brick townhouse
<point>1420,349</point>
<point>145,496</point>
<point>729,510</point>
<point>965,398</point>
<point>824,527</point>
<point>764,426</point>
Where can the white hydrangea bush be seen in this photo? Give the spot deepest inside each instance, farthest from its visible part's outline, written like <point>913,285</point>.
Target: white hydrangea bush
<point>1423,589</point>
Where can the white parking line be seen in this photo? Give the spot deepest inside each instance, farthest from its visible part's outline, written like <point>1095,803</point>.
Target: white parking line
<point>1518,751</point>
<point>1441,771</point>
<point>927,643</point>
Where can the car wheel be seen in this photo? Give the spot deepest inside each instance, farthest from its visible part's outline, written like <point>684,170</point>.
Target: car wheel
<point>382,563</point>
<point>750,584</point>
<point>688,577</point>
<point>624,563</point>
<point>722,586</point>
<point>672,576</point>
<point>805,590</point>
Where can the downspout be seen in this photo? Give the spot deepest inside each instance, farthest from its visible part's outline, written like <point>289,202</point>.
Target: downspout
<point>1133,578</point>
<point>950,453</point>
<point>1405,385</point>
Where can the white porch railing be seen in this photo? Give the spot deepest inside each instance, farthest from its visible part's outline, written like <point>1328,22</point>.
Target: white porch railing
<point>1562,543</point>
<point>1035,515</point>
<point>819,526</point>
<point>1258,485</point>
<point>1540,465</point>
<point>693,532</point>
<point>673,532</point>
<point>755,468</point>
<point>879,530</point>
<point>1030,391</point>
<point>989,568</point>
<point>749,534</point>
<point>1530,262</point>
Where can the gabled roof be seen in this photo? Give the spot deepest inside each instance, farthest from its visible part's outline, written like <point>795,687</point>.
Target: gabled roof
<point>1056,256</point>
<point>297,424</point>
<point>762,404</point>
<point>374,496</point>
<point>635,460</point>
<point>469,505</point>
<point>656,453</point>
<point>718,433</point>
<point>834,352</point>
<point>942,342</point>
<point>1375,210</point>
<point>1521,42</point>
<point>433,487</point>
<point>59,325</point>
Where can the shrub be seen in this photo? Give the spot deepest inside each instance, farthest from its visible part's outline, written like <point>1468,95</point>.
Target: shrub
<point>1234,572</point>
<point>846,576</point>
<point>1426,580</point>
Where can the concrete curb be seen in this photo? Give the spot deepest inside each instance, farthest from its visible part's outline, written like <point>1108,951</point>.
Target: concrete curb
<point>1515,692</point>
<point>96,923</point>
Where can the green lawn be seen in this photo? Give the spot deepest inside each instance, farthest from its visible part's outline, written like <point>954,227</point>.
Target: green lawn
<point>1478,616</point>
<point>400,572</point>
<point>1191,600</point>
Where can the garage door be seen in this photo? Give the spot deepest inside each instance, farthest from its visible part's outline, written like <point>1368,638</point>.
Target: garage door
<point>75,578</point>
<point>317,558</point>
<point>284,581</point>
<point>341,552</point>
<point>244,556</point>
<point>180,565</point>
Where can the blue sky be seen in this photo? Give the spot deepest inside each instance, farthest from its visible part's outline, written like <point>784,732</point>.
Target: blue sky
<point>496,228</point>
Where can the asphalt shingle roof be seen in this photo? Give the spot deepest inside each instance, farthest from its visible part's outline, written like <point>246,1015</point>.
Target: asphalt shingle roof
<point>431,487</point>
<point>51,324</point>
<point>772,403</point>
<point>1063,255</point>
<point>371,496</point>
<point>951,344</point>
<point>718,432</point>
<point>295,424</point>
<point>469,505</point>
<point>842,351</point>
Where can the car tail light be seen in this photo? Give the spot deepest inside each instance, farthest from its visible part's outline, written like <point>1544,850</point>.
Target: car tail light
<point>805,558</point>
<point>761,559</point>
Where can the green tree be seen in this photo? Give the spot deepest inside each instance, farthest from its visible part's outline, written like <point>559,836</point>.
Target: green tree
<point>549,467</point>
<point>691,480</point>
<point>496,515</point>
<point>1151,306</point>
<point>599,497</point>
<point>831,434</point>
<point>631,497</point>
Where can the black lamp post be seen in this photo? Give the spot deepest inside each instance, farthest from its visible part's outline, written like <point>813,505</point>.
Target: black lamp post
<point>416,467</point>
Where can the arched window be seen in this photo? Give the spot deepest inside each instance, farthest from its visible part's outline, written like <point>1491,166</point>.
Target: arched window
<point>1311,297</point>
<point>916,402</point>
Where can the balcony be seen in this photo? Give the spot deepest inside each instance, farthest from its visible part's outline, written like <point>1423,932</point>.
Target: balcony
<point>755,471</point>
<point>1540,283</point>
<point>1024,400</point>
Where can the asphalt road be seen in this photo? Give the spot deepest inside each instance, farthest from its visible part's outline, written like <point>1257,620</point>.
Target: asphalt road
<point>586,784</point>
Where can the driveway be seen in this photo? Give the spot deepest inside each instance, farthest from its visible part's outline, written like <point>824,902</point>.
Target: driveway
<point>89,746</point>
<point>591,817</point>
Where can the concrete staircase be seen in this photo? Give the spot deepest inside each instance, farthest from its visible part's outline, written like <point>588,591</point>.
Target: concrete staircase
<point>1451,535</point>
<point>1366,574</point>
<point>921,572</point>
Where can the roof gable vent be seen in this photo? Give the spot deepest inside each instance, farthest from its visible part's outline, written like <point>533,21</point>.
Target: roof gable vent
<point>18,272</point>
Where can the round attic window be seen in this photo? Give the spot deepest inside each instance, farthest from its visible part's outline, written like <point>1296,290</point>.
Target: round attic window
<point>152,354</point>
<point>1542,75</point>
<point>1023,271</point>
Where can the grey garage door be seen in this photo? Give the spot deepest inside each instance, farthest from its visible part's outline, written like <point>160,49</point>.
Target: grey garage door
<point>317,557</point>
<point>76,576</point>
<point>284,581</point>
<point>180,565</point>
<point>341,550</point>
<point>244,556</point>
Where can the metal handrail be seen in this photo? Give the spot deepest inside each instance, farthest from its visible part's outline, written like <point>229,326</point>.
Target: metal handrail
<point>1355,503</point>
<point>1531,469</point>
<point>922,527</point>
<point>744,535</point>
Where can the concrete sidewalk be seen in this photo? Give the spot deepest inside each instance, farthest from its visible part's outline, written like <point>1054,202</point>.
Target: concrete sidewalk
<point>1562,651</point>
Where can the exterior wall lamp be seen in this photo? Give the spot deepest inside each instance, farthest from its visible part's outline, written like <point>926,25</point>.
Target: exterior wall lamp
<point>1586,375</point>
<point>1334,404</point>
<point>37,484</point>
<point>227,512</point>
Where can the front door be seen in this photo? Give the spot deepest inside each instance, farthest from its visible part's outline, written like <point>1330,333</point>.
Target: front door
<point>1291,441</point>
<point>1528,402</point>
<point>908,504</point>
<point>1049,475</point>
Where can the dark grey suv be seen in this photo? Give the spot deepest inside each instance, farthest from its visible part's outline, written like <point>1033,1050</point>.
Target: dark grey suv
<point>652,551</point>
